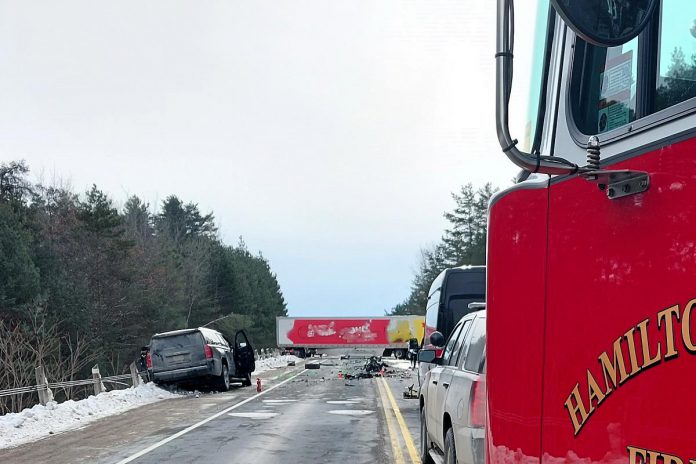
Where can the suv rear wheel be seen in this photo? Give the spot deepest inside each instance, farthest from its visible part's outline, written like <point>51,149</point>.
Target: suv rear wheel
<point>224,381</point>
<point>425,448</point>
<point>450,451</point>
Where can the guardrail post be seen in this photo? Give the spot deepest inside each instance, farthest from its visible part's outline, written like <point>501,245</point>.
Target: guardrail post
<point>45,393</point>
<point>135,376</point>
<point>96,378</point>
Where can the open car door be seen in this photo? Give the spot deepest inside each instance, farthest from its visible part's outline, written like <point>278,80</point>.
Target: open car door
<point>243,354</point>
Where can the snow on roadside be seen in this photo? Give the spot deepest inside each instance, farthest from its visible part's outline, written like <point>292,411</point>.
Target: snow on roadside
<point>42,421</point>
<point>263,365</point>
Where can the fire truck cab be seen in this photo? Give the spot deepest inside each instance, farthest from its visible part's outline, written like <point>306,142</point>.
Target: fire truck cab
<point>591,271</point>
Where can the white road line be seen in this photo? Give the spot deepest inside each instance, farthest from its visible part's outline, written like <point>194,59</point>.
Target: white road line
<point>204,421</point>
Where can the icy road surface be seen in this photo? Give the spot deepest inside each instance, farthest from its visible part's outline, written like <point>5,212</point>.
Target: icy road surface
<point>301,416</point>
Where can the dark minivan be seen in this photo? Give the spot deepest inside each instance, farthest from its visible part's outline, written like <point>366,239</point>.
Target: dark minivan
<point>200,356</point>
<point>449,298</point>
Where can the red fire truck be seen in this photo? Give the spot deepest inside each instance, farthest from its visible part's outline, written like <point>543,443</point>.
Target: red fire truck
<point>592,257</point>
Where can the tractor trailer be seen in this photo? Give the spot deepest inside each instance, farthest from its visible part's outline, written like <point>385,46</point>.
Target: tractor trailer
<point>304,335</point>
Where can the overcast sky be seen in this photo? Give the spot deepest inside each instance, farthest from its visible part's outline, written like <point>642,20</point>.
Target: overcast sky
<point>329,134</point>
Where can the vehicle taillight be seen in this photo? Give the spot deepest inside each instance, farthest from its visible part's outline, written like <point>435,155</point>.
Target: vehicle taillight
<point>477,409</point>
<point>208,351</point>
<point>148,361</point>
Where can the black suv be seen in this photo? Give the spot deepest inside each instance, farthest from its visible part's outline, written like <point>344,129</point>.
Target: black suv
<point>195,356</point>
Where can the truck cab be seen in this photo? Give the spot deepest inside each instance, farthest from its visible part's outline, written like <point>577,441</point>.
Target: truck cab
<point>591,255</point>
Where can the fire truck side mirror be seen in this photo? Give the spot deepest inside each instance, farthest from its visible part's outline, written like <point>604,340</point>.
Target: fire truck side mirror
<point>606,23</point>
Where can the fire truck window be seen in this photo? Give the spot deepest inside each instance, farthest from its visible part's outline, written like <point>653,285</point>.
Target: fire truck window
<point>450,345</point>
<point>458,343</point>
<point>676,78</point>
<point>603,86</point>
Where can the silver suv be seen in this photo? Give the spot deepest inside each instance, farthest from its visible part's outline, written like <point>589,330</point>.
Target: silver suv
<point>453,395</point>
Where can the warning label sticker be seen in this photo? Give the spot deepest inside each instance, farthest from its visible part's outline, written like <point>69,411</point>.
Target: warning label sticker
<point>615,93</point>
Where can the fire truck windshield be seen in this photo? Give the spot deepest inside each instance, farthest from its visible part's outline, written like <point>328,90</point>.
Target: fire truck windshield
<point>531,29</point>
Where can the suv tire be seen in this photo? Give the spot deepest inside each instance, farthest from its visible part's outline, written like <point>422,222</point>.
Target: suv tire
<point>424,448</point>
<point>224,381</point>
<point>450,451</point>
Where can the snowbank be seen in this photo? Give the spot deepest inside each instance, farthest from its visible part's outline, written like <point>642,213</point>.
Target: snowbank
<point>275,362</point>
<point>41,421</point>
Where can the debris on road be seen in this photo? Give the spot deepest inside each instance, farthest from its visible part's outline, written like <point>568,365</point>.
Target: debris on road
<point>313,365</point>
<point>374,364</point>
<point>411,392</point>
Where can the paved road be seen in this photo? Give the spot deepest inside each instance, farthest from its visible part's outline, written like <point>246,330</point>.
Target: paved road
<point>302,416</point>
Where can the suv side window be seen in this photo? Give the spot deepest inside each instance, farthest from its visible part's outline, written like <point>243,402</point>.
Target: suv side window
<point>456,351</point>
<point>218,339</point>
<point>450,345</point>
<point>209,339</point>
<point>473,361</point>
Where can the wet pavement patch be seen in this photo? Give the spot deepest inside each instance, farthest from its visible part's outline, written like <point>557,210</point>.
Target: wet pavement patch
<point>255,414</point>
<point>351,412</point>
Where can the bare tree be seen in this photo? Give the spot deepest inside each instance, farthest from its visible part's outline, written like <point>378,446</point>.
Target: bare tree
<point>28,344</point>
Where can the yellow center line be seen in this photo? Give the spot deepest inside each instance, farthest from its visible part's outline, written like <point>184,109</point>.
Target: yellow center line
<point>393,437</point>
<point>402,423</point>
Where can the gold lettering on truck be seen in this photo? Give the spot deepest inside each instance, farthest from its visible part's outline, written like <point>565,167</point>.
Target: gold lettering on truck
<point>646,456</point>
<point>614,364</point>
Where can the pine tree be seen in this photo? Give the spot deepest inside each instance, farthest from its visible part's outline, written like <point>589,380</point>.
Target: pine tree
<point>112,279</point>
<point>464,242</point>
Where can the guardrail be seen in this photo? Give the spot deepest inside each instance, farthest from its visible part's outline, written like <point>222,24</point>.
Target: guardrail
<point>44,388</point>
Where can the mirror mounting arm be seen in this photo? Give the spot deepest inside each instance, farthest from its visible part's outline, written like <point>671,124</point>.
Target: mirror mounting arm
<point>616,183</point>
<point>504,56</point>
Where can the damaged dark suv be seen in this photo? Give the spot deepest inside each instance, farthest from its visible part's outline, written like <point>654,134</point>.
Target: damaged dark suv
<point>200,356</point>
